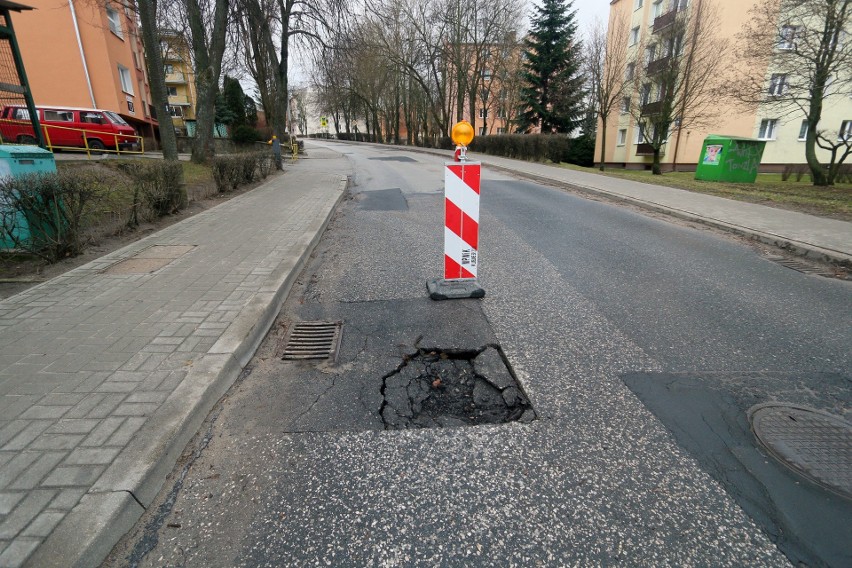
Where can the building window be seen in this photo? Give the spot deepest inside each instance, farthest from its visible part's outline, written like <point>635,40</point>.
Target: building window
<point>114,22</point>
<point>778,84</point>
<point>634,36</point>
<point>175,111</point>
<point>650,53</point>
<point>767,128</point>
<point>482,131</point>
<point>637,4</point>
<point>172,91</point>
<point>483,113</point>
<point>126,81</point>
<point>169,68</point>
<point>656,9</point>
<point>625,105</point>
<point>640,133</point>
<point>622,137</point>
<point>630,71</point>
<point>645,95</point>
<point>486,74</point>
<point>803,130</point>
<point>501,112</point>
<point>787,37</point>
<point>845,132</point>
<point>501,130</point>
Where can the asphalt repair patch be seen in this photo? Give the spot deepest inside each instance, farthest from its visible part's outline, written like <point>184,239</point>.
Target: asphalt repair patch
<point>436,388</point>
<point>708,416</point>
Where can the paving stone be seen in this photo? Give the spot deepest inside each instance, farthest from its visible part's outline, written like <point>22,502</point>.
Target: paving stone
<point>136,409</point>
<point>124,433</point>
<point>28,509</point>
<point>91,456</point>
<point>56,441</point>
<point>70,476</point>
<point>27,435</point>
<point>8,500</point>
<point>103,432</point>
<point>18,551</point>
<point>67,498</point>
<point>30,477</point>
<point>43,524</point>
<point>73,426</point>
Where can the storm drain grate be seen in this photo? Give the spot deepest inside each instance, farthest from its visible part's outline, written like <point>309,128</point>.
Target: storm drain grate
<point>313,340</point>
<point>816,444</point>
<point>800,266</point>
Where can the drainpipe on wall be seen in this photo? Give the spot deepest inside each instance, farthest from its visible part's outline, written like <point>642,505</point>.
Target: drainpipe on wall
<point>82,53</point>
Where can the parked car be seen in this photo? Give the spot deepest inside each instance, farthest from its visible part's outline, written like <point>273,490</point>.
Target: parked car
<point>66,127</point>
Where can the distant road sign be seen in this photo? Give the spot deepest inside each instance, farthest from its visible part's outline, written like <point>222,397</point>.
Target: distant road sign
<point>323,122</point>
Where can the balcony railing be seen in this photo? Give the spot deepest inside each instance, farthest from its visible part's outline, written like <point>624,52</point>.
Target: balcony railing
<point>179,100</point>
<point>664,21</point>
<point>175,77</point>
<point>650,109</point>
<point>658,65</point>
<point>648,150</point>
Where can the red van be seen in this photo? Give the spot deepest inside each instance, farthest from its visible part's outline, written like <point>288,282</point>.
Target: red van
<point>65,127</point>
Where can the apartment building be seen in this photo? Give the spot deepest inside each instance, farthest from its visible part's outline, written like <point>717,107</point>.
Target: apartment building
<point>498,91</point>
<point>644,24</point>
<point>180,79</point>
<point>80,53</point>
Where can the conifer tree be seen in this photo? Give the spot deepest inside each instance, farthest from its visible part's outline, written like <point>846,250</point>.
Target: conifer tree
<point>552,95</point>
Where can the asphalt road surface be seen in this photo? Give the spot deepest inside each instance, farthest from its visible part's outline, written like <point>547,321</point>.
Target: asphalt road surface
<point>640,343</point>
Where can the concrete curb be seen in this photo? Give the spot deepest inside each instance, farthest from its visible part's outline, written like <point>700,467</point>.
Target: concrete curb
<point>793,246</point>
<point>128,486</point>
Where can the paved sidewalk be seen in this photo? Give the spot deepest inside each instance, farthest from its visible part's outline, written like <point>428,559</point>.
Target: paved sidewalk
<point>108,371</point>
<point>806,235</point>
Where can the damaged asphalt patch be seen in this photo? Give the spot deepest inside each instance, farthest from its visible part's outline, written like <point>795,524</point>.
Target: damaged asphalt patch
<point>438,389</point>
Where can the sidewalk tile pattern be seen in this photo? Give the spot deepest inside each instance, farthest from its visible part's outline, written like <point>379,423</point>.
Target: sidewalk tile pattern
<point>88,357</point>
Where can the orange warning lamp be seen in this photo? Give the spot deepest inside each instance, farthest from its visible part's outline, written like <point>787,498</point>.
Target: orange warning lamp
<point>462,133</point>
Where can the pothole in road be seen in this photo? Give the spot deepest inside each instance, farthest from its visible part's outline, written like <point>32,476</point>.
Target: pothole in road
<point>441,388</point>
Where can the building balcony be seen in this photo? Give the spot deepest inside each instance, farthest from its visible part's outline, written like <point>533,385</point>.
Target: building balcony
<point>179,100</point>
<point>658,65</point>
<point>664,21</point>
<point>648,150</point>
<point>177,77</point>
<point>651,109</point>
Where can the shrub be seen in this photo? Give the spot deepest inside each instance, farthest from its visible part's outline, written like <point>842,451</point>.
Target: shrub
<point>44,214</point>
<point>248,165</point>
<point>157,185</point>
<point>245,134</point>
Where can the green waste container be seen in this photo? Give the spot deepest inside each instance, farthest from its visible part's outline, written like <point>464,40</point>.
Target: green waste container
<point>728,158</point>
<point>18,226</point>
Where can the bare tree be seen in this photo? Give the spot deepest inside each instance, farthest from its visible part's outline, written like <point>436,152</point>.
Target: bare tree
<point>797,58</point>
<point>604,65</point>
<point>156,76</point>
<point>675,77</point>
<point>207,26</point>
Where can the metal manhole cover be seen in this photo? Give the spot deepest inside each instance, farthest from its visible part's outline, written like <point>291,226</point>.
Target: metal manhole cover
<point>313,340</point>
<point>815,444</point>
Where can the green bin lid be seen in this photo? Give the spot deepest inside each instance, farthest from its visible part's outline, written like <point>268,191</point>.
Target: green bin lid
<point>720,137</point>
<point>19,152</point>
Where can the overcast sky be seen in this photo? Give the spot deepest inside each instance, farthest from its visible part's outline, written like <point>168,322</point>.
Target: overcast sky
<point>588,10</point>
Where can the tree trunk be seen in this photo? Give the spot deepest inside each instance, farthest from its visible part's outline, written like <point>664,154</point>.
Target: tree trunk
<point>208,66</point>
<point>156,78</point>
<point>655,166</point>
<point>603,143</point>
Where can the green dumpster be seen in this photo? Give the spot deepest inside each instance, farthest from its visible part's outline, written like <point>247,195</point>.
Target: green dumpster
<point>728,158</point>
<point>17,226</point>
